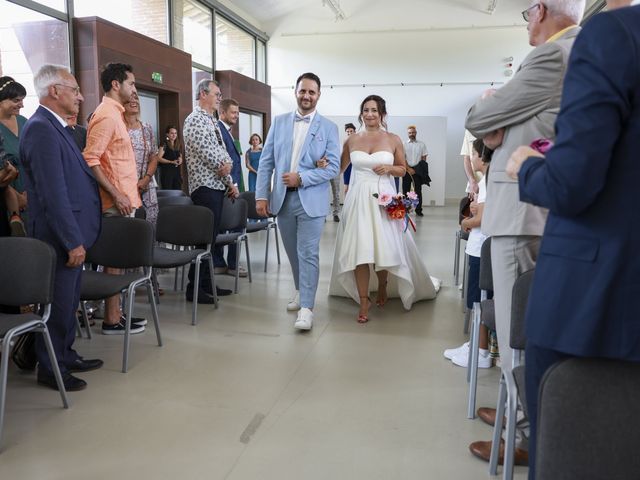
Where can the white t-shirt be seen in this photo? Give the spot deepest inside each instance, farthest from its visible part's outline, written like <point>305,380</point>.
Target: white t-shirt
<point>467,150</point>
<point>476,237</point>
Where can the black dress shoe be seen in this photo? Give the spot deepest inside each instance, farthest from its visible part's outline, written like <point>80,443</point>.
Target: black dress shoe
<point>420,214</point>
<point>71,383</point>
<point>223,292</point>
<point>203,297</point>
<point>82,365</point>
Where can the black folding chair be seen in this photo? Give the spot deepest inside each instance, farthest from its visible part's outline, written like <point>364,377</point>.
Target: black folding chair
<point>26,277</point>
<point>125,243</point>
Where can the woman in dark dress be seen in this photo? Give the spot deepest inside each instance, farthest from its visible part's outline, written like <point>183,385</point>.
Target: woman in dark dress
<point>170,158</point>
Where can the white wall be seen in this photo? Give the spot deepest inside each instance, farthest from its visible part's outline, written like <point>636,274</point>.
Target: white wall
<point>350,60</point>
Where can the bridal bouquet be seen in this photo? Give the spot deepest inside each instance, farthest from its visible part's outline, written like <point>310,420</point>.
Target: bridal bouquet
<point>399,206</point>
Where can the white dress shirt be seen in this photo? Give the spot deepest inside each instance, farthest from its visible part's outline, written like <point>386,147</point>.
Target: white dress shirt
<point>414,152</point>
<point>58,117</point>
<point>300,130</point>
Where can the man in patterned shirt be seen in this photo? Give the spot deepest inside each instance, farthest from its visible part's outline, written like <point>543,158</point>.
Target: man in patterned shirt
<point>208,170</point>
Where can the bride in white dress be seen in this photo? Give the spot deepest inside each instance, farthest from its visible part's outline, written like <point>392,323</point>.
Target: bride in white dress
<point>367,237</point>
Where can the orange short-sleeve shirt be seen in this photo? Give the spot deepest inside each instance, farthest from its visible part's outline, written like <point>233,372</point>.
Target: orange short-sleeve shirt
<point>109,145</point>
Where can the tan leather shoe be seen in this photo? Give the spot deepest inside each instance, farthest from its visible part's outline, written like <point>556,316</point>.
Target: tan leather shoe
<point>483,450</point>
<point>488,416</point>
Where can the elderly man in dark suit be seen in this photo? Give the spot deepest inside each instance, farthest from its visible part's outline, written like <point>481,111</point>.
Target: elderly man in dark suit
<point>64,211</point>
<point>584,297</point>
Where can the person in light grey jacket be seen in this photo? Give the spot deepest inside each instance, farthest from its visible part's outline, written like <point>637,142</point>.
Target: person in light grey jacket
<point>526,108</point>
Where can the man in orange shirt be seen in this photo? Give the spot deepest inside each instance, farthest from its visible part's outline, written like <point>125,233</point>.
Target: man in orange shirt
<point>110,155</point>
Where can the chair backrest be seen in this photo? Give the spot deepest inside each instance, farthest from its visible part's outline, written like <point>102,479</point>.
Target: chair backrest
<point>234,215</point>
<point>519,299</point>
<point>486,273</point>
<point>27,271</point>
<point>586,426</point>
<point>185,225</point>
<point>170,193</point>
<point>171,201</point>
<point>123,243</point>
<point>250,198</point>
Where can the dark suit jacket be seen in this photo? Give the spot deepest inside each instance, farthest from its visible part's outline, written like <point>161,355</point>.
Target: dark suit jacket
<point>422,170</point>
<point>585,295</point>
<point>236,171</point>
<point>64,205</point>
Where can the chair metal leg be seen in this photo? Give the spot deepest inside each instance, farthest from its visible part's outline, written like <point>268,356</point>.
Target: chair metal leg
<point>196,287</point>
<point>83,308</point>
<point>238,247</point>
<point>4,365</point>
<point>131,294</point>
<point>156,287</point>
<point>510,440</point>
<point>214,289</point>
<point>54,365</point>
<point>497,428</point>
<point>266,249</point>
<point>175,277</point>
<point>246,250</point>
<point>275,229</point>
<point>456,257</point>
<point>472,366</point>
<point>154,313</point>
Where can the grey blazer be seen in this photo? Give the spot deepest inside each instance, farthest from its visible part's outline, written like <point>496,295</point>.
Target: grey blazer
<point>527,106</point>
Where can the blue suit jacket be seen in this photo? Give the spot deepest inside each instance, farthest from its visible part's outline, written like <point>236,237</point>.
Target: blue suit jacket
<point>585,295</point>
<point>321,141</point>
<point>236,170</point>
<point>64,204</point>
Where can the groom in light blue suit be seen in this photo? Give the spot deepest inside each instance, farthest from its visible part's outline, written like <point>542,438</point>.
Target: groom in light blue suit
<point>299,191</point>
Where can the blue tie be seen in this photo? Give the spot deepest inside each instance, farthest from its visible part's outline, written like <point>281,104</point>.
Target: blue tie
<point>300,118</point>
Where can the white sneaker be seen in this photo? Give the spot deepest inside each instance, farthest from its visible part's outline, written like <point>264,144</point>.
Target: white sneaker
<point>452,352</point>
<point>304,320</point>
<point>462,359</point>
<point>294,302</point>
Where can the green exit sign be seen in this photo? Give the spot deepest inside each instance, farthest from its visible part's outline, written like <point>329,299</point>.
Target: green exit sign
<point>156,77</point>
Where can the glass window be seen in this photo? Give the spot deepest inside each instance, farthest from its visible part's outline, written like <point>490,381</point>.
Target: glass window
<point>148,17</point>
<point>192,27</point>
<point>235,48</point>
<point>28,40</point>
<point>261,60</point>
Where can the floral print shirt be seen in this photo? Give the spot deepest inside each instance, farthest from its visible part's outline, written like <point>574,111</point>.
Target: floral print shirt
<point>205,152</point>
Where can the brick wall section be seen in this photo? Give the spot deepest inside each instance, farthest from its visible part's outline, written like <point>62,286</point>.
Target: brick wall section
<point>150,18</point>
<point>234,49</point>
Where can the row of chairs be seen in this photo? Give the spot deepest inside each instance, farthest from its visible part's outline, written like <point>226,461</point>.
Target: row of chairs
<point>574,439</point>
<point>511,380</point>
<point>27,276</point>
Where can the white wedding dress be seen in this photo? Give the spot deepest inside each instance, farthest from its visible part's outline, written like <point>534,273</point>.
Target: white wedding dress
<point>366,235</point>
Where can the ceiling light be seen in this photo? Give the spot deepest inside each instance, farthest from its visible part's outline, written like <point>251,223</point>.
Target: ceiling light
<point>334,5</point>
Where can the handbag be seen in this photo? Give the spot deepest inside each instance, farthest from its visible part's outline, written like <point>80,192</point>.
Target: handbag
<point>24,352</point>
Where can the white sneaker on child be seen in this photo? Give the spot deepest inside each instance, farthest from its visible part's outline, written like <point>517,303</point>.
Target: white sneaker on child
<point>462,359</point>
<point>452,352</point>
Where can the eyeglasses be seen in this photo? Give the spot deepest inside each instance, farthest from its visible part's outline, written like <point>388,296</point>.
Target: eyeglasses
<point>526,14</point>
<point>218,95</point>
<point>76,90</point>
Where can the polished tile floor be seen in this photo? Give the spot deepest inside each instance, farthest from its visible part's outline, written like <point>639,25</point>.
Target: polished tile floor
<point>244,396</point>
